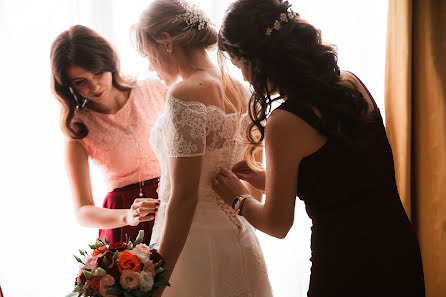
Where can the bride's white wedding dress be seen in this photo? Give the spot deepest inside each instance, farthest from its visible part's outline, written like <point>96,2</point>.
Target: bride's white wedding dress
<point>221,256</point>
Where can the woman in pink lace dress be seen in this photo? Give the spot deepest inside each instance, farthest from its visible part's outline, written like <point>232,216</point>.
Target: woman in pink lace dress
<point>107,118</point>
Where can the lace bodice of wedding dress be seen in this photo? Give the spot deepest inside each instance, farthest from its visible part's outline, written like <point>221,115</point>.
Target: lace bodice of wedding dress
<point>222,256</point>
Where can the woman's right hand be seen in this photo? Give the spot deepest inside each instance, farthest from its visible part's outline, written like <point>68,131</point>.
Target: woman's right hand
<point>142,210</point>
<point>255,178</point>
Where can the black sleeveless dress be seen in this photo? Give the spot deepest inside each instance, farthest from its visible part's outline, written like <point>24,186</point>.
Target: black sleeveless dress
<point>362,242</point>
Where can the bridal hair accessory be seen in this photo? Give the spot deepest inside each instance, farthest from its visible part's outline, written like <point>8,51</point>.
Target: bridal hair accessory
<point>79,103</point>
<point>284,17</point>
<point>119,269</point>
<point>193,16</point>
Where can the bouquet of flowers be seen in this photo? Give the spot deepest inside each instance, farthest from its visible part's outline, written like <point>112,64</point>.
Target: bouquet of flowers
<point>121,269</point>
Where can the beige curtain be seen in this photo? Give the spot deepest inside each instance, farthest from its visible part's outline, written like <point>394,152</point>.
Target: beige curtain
<point>416,124</point>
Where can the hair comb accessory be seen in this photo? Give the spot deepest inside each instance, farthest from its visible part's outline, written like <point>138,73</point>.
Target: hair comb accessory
<point>284,17</point>
<point>193,16</point>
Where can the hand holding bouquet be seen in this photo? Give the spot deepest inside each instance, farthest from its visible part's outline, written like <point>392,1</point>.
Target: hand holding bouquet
<point>121,269</point>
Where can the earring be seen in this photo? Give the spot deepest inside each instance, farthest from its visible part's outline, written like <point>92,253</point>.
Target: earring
<point>80,103</point>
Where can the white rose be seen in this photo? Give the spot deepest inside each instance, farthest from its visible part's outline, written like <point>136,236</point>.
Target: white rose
<point>145,281</point>
<point>141,255</point>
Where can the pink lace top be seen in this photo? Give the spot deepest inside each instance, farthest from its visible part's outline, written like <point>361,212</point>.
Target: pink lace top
<point>119,142</point>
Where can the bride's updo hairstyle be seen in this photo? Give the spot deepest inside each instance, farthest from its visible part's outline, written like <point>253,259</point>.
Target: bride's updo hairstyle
<point>286,56</point>
<point>188,27</point>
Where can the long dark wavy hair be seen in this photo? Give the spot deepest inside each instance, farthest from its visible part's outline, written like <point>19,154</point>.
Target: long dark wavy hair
<point>83,47</point>
<point>293,62</point>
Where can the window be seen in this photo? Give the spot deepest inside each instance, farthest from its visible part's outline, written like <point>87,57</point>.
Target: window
<point>39,230</point>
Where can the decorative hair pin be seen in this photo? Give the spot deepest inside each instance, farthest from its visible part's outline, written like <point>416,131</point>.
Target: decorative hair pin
<point>193,16</point>
<point>283,18</point>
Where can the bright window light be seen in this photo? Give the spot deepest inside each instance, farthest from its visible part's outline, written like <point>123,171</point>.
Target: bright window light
<point>39,231</point>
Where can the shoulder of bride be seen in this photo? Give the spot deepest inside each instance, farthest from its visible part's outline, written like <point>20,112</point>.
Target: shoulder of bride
<point>189,91</point>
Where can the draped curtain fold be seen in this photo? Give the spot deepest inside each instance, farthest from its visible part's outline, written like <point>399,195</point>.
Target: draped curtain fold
<point>415,102</point>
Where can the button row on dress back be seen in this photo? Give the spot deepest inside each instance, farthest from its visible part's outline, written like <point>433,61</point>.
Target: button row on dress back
<point>232,216</point>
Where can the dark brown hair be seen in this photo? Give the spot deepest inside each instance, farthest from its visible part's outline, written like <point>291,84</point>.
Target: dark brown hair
<point>294,62</point>
<point>83,47</point>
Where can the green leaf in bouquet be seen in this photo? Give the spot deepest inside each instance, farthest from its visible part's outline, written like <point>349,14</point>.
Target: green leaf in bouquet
<point>126,238</point>
<point>106,262</point>
<point>158,264</point>
<point>106,240</point>
<point>160,281</point>
<point>163,282</point>
<point>100,272</point>
<point>78,289</point>
<point>88,274</point>
<point>78,259</point>
<point>139,238</point>
<point>115,290</point>
<point>115,256</point>
<point>129,245</point>
<point>138,293</point>
<point>161,270</point>
<point>72,294</point>
<point>99,243</point>
<point>92,246</point>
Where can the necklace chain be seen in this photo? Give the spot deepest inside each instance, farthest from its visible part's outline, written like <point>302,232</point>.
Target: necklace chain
<point>129,131</point>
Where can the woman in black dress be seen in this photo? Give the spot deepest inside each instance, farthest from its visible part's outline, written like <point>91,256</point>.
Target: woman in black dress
<point>326,144</point>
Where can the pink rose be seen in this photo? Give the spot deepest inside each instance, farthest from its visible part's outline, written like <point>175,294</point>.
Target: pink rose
<point>129,279</point>
<point>85,287</point>
<point>94,283</point>
<point>144,248</point>
<point>81,279</point>
<point>106,282</point>
<point>149,268</point>
<point>92,263</point>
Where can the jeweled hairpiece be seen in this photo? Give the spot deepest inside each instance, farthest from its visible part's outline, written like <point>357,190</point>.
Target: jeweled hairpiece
<point>193,16</point>
<point>283,18</point>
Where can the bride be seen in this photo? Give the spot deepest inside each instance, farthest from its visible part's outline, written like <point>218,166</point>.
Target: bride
<point>210,250</point>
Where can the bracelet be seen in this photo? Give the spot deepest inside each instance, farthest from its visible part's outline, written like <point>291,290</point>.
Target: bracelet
<point>238,202</point>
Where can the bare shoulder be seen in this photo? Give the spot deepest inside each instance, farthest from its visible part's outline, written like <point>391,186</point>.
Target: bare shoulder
<point>201,88</point>
<point>285,128</point>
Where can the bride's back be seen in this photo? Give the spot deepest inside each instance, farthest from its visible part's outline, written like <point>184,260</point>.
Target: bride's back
<point>204,122</point>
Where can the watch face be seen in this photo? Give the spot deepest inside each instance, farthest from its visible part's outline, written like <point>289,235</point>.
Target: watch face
<point>234,203</point>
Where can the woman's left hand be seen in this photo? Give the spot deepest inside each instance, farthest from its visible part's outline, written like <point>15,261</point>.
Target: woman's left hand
<point>228,186</point>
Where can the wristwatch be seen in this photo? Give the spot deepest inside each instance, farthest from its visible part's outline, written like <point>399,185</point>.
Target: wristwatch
<point>237,203</point>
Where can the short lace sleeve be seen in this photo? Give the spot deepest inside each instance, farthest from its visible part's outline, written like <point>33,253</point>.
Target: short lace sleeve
<point>185,128</point>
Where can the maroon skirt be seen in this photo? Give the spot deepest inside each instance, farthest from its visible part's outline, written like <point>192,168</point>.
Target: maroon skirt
<point>122,198</point>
